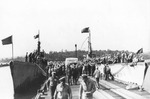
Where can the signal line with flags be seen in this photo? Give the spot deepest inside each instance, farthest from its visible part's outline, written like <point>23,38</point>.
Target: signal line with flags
<point>8,40</point>
<point>139,51</point>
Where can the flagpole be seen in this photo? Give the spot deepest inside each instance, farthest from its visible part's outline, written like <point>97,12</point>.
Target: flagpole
<point>39,35</point>
<point>86,30</point>
<point>89,38</point>
<point>89,42</point>
<point>39,42</point>
<point>12,49</point>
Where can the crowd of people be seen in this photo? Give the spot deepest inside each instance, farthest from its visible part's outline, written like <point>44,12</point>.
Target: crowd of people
<point>121,57</point>
<point>36,57</point>
<point>58,74</point>
<point>60,77</point>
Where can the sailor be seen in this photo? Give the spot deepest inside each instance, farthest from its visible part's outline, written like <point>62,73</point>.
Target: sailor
<point>30,57</point>
<point>87,88</point>
<point>63,90</point>
<point>26,58</point>
<point>52,84</point>
<point>75,74</point>
<point>107,73</point>
<point>97,75</point>
<point>89,68</point>
<point>93,68</point>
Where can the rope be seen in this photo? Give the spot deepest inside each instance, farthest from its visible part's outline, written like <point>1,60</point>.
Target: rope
<point>42,89</point>
<point>43,72</point>
<point>83,43</point>
<point>119,70</point>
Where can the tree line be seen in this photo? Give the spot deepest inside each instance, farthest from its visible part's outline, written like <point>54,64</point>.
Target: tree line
<point>62,55</point>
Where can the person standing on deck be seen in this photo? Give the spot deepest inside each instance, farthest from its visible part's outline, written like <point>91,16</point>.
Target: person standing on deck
<point>87,88</point>
<point>30,57</point>
<point>26,58</point>
<point>63,90</point>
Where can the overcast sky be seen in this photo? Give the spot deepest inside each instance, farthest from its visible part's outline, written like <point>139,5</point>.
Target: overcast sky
<point>114,24</point>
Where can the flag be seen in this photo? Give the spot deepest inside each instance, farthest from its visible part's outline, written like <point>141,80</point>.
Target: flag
<point>139,51</point>
<point>85,30</point>
<point>7,40</point>
<point>36,36</point>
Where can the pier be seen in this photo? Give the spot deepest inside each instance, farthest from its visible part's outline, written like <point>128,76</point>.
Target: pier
<point>108,90</point>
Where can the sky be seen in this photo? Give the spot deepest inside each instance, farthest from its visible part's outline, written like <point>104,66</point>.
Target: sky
<point>114,24</point>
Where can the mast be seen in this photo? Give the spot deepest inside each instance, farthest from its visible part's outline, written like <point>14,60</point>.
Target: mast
<point>87,30</point>
<point>89,46</point>
<point>39,43</point>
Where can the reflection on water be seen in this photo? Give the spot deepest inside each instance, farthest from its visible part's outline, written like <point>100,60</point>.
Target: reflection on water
<point>6,83</point>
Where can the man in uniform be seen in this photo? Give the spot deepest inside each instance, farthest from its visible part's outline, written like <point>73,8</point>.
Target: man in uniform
<point>107,73</point>
<point>87,88</point>
<point>63,90</point>
<point>97,76</point>
<point>52,84</point>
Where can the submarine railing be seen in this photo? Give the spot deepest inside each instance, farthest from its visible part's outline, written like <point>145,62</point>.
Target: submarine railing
<point>42,89</point>
<point>43,72</point>
<point>45,85</point>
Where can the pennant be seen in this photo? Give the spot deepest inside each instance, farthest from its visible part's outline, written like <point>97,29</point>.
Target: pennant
<point>139,51</point>
<point>85,30</point>
<point>36,36</point>
<point>7,40</point>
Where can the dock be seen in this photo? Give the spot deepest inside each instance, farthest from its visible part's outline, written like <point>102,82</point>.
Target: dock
<point>46,95</point>
<point>108,90</point>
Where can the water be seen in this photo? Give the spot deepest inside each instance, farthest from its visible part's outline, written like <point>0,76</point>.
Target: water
<point>6,86</point>
<point>6,83</point>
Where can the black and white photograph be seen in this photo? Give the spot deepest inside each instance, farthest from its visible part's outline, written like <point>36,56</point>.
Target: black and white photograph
<point>74,49</point>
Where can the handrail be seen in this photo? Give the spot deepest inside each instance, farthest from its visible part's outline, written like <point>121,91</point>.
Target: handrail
<point>43,72</point>
<point>41,90</point>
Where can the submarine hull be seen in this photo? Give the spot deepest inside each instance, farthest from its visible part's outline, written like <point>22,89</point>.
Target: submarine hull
<point>26,77</point>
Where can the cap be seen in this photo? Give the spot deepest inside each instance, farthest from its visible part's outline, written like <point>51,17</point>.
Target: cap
<point>53,72</point>
<point>84,76</point>
<point>62,78</point>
